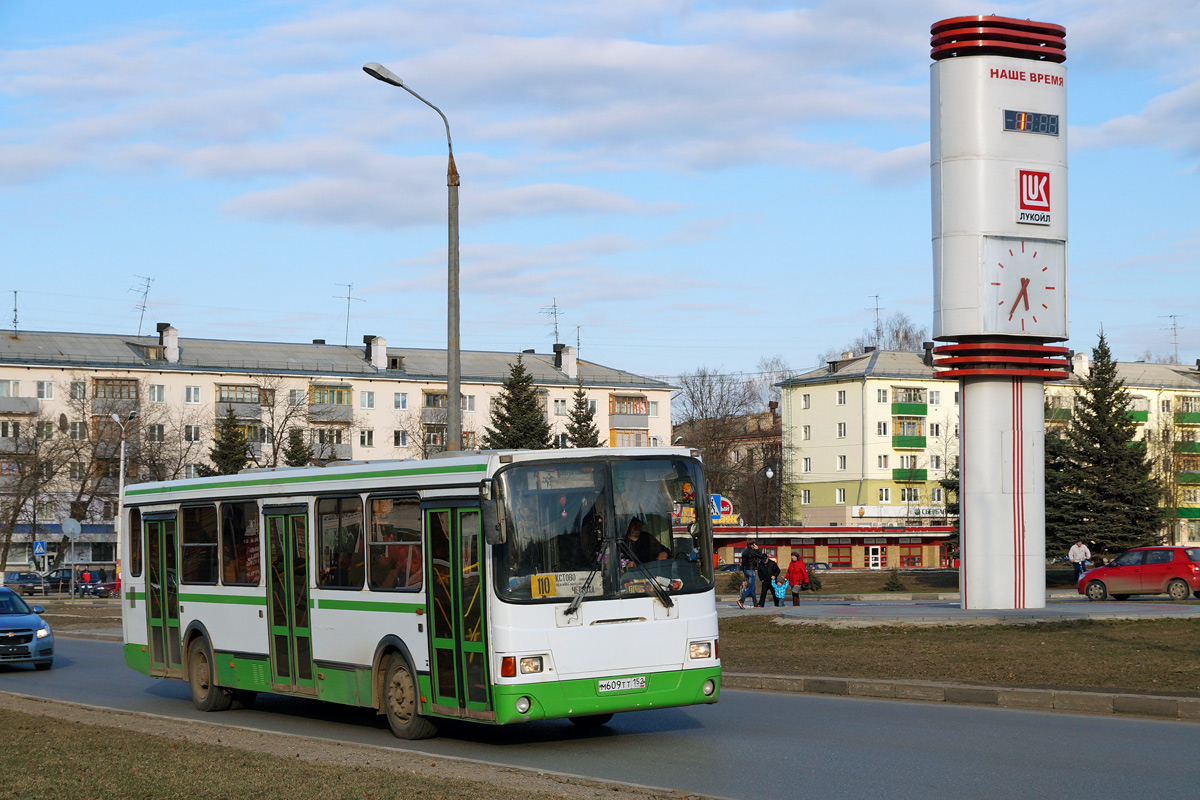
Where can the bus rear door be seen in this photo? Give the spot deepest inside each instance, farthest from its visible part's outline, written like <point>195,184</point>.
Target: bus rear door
<point>287,601</point>
<point>162,596</point>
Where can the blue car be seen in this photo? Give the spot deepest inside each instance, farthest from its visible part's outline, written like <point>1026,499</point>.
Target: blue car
<point>24,636</point>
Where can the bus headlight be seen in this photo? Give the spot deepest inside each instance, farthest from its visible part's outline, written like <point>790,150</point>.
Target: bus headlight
<point>700,650</point>
<point>523,704</point>
<point>531,664</point>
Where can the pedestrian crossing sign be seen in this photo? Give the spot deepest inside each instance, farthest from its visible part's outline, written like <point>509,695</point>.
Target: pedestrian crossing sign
<point>39,548</point>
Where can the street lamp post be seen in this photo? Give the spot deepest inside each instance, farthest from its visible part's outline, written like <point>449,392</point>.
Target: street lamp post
<point>754,484</point>
<point>121,487</point>
<point>453,362</point>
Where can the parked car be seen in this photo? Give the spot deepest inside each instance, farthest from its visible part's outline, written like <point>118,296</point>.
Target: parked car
<point>23,582</point>
<point>24,636</point>
<point>57,580</point>
<point>98,588</point>
<point>1174,571</point>
<point>729,568</point>
<point>818,565</point>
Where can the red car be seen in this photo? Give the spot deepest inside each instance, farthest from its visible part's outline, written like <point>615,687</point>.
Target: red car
<point>1174,571</point>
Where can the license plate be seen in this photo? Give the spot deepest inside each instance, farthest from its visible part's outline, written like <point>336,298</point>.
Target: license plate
<point>621,684</point>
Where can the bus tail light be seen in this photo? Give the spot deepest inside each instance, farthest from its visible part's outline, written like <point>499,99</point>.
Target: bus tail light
<point>508,667</point>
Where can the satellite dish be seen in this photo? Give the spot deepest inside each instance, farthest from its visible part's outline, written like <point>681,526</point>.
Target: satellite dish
<point>71,528</point>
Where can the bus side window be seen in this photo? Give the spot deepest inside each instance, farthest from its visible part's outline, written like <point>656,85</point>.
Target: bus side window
<point>340,542</point>
<point>239,544</point>
<point>394,546</point>
<point>198,550</point>
<point>134,535</point>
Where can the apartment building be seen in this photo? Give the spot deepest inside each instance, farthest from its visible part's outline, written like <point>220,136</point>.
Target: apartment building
<point>68,399</point>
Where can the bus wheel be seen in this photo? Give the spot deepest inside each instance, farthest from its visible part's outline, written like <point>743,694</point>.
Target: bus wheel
<point>400,702</point>
<point>206,695</point>
<point>592,720</point>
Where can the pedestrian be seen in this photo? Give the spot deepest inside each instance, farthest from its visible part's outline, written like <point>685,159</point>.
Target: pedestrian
<point>1079,555</point>
<point>767,570</point>
<point>779,587</point>
<point>103,578</point>
<point>749,567</point>
<point>86,577</point>
<point>797,577</point>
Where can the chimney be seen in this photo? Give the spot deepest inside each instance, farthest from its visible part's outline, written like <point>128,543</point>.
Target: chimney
<point>927,359</point>
<point>376,351</point>
<point>564,359</point>
<point>168,339</point>
<point>1079,364</point>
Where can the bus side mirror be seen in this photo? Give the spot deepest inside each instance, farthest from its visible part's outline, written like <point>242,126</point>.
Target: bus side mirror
<point>490,511</point>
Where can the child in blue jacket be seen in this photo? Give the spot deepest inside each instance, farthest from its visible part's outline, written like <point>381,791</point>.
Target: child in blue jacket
<point>779,586</point>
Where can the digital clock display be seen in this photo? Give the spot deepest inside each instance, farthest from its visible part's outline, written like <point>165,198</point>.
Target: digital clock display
<point>1031,122</point>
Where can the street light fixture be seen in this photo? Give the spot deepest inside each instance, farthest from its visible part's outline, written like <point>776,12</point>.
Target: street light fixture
<point>754,484</point>
<point>121,485</point>
<point>453,362</point>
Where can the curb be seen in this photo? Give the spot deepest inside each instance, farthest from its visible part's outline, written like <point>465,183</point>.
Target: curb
<point>1062,700</point>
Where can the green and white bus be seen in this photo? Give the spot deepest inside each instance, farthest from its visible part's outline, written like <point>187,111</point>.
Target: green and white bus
<point>497,586</point>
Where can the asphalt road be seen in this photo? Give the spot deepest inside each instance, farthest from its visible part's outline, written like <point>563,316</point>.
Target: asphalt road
<point>751,746</point>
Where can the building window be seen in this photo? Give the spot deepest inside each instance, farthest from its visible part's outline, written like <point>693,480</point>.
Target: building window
<point>654,408</point>
<point>78,390</point>
<point>806,432</point>
<point>908,462</point>
<point>935,462</point>
<point>560,408</point>
<point>1191,495</point>
<point>1189,404</point>
<point>466,402</point>
<point>935,429</point>
<point>400,400</point>
<point>400,438</point>
<point>805,401</point>
<point>936,495</point>
<point>910,395</point>
<point>296,397</point>
<point>156,433</point>
<point>45,390</point>
<point>1165,406</point>
<point>116,389</point>
<point>618,404</point>
<point>191,433</point>
<point>329,435</point>
<point>885,494</point>
<point>468,440</point>
<point>234,393</point>
<point>805,497</point>
<point>435,400</point>
<point>910,426</point>
<point>806,465</point>
<point>435,435</point>
<point>882,462</point>
<point>839,496</point>
<point>592,406</point>
<point>840,557</point>
<point>560,440</point>
<point>881,428</point>
<point>366,399</point>
<point>841,397</point>
<point>619,437</point>
<point>881,395</point>
<point>191,470</point>
<point>935,397</point>
<point>77,471</point>
<point>910,555</point>
<point>79,431</point>
<point>156,393</point>
<point>330,396</point>
<point>366,437</point>
<point>841,463</point>
<point>191,395</point>
<point>841,430</point>
<point>45,430</point>
<point>910,494</point>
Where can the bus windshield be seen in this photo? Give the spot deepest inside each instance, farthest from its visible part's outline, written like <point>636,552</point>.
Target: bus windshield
<point>603,529</point>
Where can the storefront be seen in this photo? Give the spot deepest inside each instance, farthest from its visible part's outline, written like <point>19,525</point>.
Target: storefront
<point>883,547</point>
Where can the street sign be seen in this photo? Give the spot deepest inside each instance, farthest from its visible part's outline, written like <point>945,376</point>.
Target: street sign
<point>39,548</point>
<point>71,528</point>
<point>714,506</point>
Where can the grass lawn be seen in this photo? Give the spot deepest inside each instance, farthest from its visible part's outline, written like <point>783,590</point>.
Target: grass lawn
<point>1144,656</point>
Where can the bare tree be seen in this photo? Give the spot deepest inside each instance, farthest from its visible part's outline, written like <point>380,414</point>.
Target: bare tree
<point>769,372</point>
<point>424,431</point>
<point>707,411</point>
<point>30,465</point>
<point>897,332</point>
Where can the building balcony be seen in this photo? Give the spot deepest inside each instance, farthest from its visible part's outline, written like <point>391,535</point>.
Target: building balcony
<point>910,409</point>
<point>1187,447</point>
<point>908,442</point>
<point>18,405</point>
<point>1061,414</point>
<point>1139,416</point>
<point>909,475</point>
<point>240,410</point>
<point>629,421</point>
<point>1187,417</point>
<point>330,412</point>
<point>1189,478</point>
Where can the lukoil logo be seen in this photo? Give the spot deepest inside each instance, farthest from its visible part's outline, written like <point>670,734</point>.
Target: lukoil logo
<point>1033,197</point>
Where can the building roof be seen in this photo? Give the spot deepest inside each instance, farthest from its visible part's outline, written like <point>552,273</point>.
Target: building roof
<point>113,351</point>
<point>875,364</point>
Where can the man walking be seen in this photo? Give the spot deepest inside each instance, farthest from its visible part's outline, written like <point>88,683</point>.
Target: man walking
<point>749,571</point>
<point>1079,555</point>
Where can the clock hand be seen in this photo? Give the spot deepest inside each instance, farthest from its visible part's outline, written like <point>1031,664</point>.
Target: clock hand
<point>1024,293</point>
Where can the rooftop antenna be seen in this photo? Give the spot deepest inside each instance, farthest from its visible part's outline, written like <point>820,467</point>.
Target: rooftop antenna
<point>1174,328</point>
<point>348,286</point>
<point>144,289</point>
<point>878,325</point>
<point>14,310</point>
<point>553,311</point>
<point>577,340</point>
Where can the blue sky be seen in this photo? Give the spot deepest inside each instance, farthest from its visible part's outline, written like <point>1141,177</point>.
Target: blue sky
<point>691,183</point>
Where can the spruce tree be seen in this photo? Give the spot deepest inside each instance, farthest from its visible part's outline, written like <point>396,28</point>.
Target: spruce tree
<point>1065,523</point>
<point>581,421</point>
<point>951,485</point>
<point>298,453</point>
<point>230,452</point>
<point>517,421</point>
<point>1117,492</point>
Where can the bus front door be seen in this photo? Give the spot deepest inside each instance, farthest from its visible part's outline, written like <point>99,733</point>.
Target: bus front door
<point>162,598</point>
<point>287,603</point>
<point>456,613</point>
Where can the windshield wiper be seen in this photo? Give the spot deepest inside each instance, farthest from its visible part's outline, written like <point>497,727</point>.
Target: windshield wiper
<point>663,597</point>
<point>587,584</point>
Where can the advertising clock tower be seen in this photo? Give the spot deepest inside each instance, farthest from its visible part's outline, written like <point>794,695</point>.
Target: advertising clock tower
<point>998,95</point>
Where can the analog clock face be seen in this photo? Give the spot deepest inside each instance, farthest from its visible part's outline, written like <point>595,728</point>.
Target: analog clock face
<point>1024,291</point>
